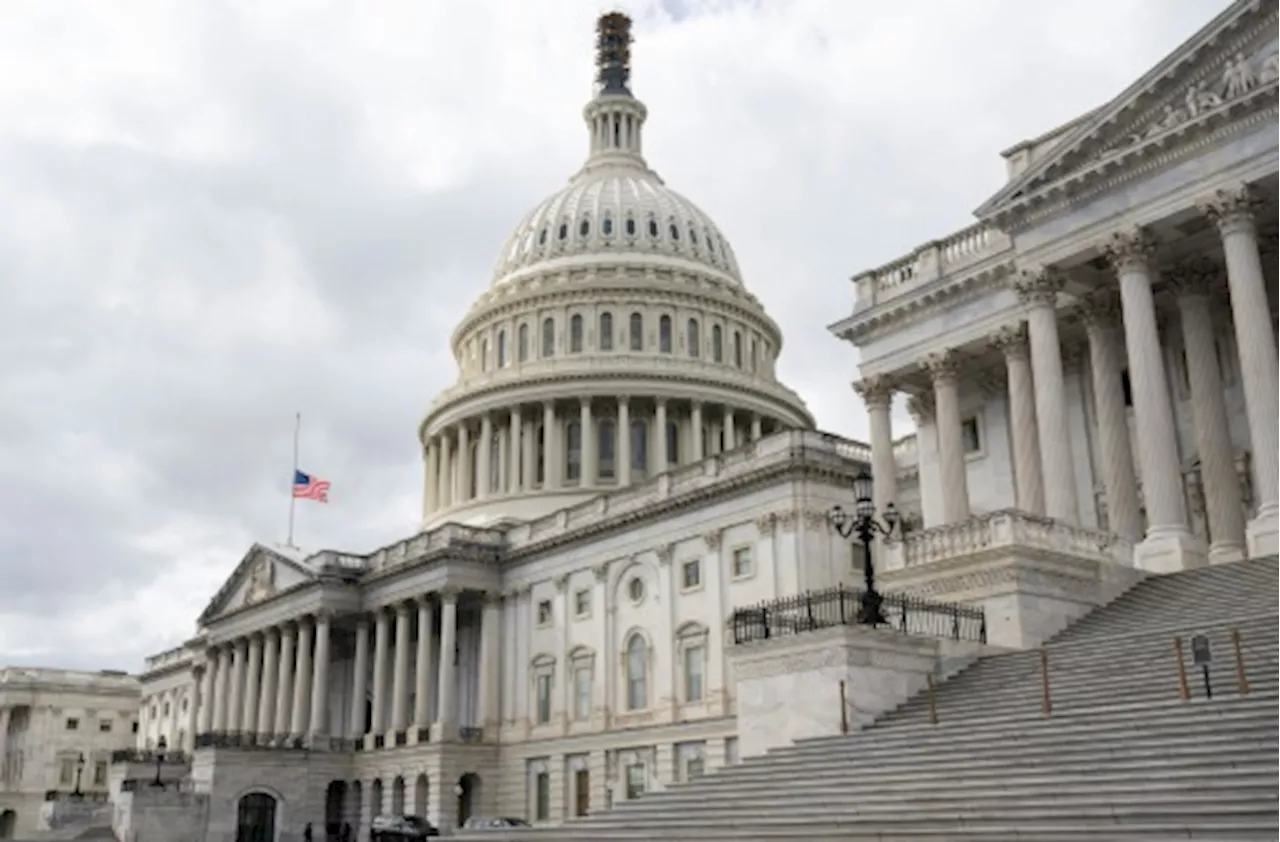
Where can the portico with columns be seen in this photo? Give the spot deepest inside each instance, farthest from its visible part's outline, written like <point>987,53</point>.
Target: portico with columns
<point>1108,328</point>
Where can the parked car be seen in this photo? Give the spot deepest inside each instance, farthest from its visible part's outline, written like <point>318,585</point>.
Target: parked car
<point>497,823</point>
<point>400,829</point>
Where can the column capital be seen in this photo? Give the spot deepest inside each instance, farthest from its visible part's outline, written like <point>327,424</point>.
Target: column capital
<point>402,608</point>
<point>492,598</point>
<point>624,400</point>
<point>1039,285</point>
<point>449,593</point>
<point>1011,340</point>
<point>1099,310</point>
<point>585,402</point>
<point>561,582</point>
<point>602,571</point>
<point>1233,209</point>
<point>1196,277</point>
<point>921,407</point>
<point>942,366</point>
<point>1129,249</point>
<point>875,391</point>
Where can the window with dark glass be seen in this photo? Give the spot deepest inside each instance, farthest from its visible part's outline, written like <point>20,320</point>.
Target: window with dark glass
<point>607,434</point>
<point>664,334</point>
<point>971,435</point>
<point>639,448</point>
<point>606,331</point>
<point>484,354</point>
<point>692,338</point>
<point>717,344</point>
<point>495,462</point>
<point>522,343</point>
<point>755,355</point>
<point>607,226</point>
<point>674,231</point>
<point>542,236</point>
<point>636,332</point>
<point>548,337</point>
<point>584,228</point>
<point>637,668</point>
<point>564,231</point>
<point>737,349</point>
<point>631,227</point>
<point>502,349</point>
<point>573,451</point>
<point>653,227</point>
<point>540,448</point>
<point>673,443</point>
<point>575,334</point>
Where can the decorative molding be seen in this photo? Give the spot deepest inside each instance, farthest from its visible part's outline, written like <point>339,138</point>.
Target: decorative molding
<point>664,552</point>
<point>942,366</point>
<point>1129,251</point>
<point>601,571</point>
<point>1196,277</point>
<point>1233,209</point>
<point>787,520</point>
<point>1039,286</point>
<point>766,524</point>
<point>561,583</point>
<point>1011,340</point>
<point>712,539</point>
<point>876,391</point>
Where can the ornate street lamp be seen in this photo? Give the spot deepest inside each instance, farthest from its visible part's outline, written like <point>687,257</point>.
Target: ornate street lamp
<point>864,525</point>
<point>161,746</point>
<point>79,773</point>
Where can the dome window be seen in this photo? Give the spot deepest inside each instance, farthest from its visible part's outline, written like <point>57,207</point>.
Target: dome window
<point>548,337</point>
<point>717,344</point>
<point>564,232</point>
<point>636,332</point>
<point>693,340</point>
<point>631,227</point>
<point>606,227</point>
<point>693,235</point>
<point>664,334</point>
<point>542,236</point>
<point>606,331</point>
<point>584,228</point>
<point>711,244</point>
<point>674,230</point>
<point>653,228</point>
<point>575,334</point>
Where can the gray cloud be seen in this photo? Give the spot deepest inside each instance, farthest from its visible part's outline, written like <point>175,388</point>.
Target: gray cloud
<point>219,214</point>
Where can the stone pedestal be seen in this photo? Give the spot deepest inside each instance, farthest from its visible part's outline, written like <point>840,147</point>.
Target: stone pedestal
<point>1170,550</point>
<point>788,688</point>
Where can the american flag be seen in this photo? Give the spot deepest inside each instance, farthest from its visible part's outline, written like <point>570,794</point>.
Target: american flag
<point>307,487</point>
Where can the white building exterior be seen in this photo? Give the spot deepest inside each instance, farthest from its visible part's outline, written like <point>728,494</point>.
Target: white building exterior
<point>49,719</point>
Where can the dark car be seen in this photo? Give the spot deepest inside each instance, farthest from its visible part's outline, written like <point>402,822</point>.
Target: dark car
<point>479,823</point>
<point>400,829</point>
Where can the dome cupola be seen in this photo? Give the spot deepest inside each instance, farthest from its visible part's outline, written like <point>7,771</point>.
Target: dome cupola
<point>615,342</point>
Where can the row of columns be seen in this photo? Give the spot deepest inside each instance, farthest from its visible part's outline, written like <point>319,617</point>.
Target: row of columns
<point>452,473</point>
<point>1043,461</point>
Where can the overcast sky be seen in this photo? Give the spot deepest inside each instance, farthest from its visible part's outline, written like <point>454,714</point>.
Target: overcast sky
<point>215,214</point>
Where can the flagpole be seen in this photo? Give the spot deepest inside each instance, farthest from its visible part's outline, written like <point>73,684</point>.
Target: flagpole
<point>293,501</point>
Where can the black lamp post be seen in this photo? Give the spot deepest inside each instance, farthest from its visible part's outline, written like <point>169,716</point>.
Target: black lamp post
<point>79,774</point>
<point>864,525</point>
<point>160,749</point>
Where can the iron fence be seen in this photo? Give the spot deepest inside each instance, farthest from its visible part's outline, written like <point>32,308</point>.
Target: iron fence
<point>839,606</point>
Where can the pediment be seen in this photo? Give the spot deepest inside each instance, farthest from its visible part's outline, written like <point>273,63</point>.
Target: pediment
<point>1224,73</point>
<point>260,575</point>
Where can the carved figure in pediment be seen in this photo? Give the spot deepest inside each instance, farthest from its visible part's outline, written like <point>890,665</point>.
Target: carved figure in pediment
<point>1238,77</point>
<point>1172,117</point>
<point>262,581</point>
<point>1270,69</point>
<point>1200,99</point>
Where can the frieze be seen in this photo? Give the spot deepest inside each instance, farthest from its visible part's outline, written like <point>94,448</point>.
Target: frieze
<point>766,524</point>
<point>791,660</point>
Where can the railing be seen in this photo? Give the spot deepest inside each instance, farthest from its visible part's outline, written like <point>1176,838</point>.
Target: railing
<point>1012,528</point>
<point>273,742</point>
<point>138,755</point>
<point>839,606</point>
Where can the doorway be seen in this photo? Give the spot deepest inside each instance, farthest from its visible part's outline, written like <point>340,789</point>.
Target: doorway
<point>256,818</point>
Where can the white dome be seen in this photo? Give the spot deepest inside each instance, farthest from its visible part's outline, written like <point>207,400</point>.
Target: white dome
<point>610,212</point>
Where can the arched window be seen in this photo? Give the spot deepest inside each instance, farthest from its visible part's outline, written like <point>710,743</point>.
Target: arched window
<point>639,448</point>
<point>717,344</point>
<point>575,334</point>
<point>540,449</point>
<point>755,355</point>
<point>606,331</point>
<point>548,337</point>
<point>573,451</point>
<point>495,463</point>
<point>637,669</point>
<point>522,343</point>
<point>737,349</point>
<point>673,443</point>
<point>636,332</point>
<point>664,334</point>
<point>502,349</point>
<point>607,436</point>
<point>692,338</point>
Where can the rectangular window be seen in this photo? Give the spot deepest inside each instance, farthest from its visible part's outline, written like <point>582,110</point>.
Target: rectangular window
<point>694,661</point>
<point>969,433</point>
<point>693,769</point>
<point>104,726</point>
<point>691,574</point>
<point>582,602</point>
<point>581,792</point>
<point>635,780</point>
<point>100,773</point>
<point>544,612</point>
<point>582,694</point>
<point>542,797</point>
<point>742,562</point>
<point>73,724</point>
<point>544,699</point>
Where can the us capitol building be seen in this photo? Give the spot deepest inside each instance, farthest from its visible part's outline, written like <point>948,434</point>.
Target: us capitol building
<point>1092,368</point>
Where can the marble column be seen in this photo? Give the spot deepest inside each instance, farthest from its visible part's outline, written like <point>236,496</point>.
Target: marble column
<point>207,693</point>
<point>320,677</point>
<point>484,476</point>
<point>730,428</point>
<point>1194,283</point>
<point>955,488</point>
<point>660,422</point>
<point>624,442</point>
<point>1011,340</point>
<point>490,681</point>
<point>1234,213</point>
<point>302,679</point>
<point>586,445</point>
<point>252,689</point>
<point>1101,314</point>
<point>235,702</point>
<point>877,395</point>
<point>445,476</point>
<point>699,440</point>
<point>422,673</point>
<point>1169,545</point>
<point>431,485</point>
<point>756,429</point>
<point>381,642</point>
<point>284,681</point>
<point>360,679</point>
<point>466,464</point>
<point>550,464</point>
<point>1039,292</point>
<point>513,452</point>
<point>447,706</point>
<point>223,696</point>
<point>400,673</point>
<point>270,674</point>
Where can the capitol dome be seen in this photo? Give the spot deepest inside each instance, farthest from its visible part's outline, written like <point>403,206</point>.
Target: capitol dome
<point>616,341</point>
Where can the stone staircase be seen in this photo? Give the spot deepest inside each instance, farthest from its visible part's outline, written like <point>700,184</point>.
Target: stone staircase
<point>1121,757</point>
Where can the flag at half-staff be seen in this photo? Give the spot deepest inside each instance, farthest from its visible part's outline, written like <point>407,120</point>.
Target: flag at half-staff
<point>307,487</point>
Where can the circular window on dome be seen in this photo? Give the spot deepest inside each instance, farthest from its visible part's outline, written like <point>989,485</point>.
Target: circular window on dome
<point>674,231</point>
<point>606,227</point>
<point>653,227</point>
<point>635,589</point>
<point>631,227</point>
<point>584,228</point>
<point>542,236</point>
<point>564,231</point>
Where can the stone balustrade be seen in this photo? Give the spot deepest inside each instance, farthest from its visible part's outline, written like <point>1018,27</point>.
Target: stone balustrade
<point>1012,529</point>
<point>953,254</point>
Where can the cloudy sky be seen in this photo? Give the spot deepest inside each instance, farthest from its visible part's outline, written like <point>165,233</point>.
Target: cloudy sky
<point>217,213</point>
